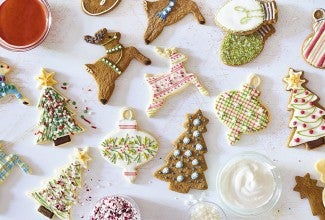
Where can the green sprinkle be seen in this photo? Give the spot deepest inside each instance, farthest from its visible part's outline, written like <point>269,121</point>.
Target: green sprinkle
<point>65,84</point>
<point>85,111</point>
<point>73,103</point>
<point>82,116</point>
<point>241,49</point>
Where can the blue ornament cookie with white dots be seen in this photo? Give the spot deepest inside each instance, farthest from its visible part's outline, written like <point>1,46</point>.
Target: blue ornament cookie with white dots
<point>185,165</point>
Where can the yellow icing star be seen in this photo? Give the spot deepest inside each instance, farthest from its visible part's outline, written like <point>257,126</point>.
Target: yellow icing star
<point>82,156</point>
<point>46,78</point>
<point>294,80</point>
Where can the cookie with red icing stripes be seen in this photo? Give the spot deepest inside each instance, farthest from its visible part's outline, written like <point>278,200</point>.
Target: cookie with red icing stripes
<point>313,49</point>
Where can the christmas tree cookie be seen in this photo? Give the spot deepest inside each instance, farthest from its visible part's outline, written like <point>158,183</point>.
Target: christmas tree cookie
<point>9,89</point>
<point>60,194</point>
<point>186,164</point>
<point>9,161</point>
<point>56,118</point>
<point>128,147</point>
<point>308,116</point>
<point>241,110</point>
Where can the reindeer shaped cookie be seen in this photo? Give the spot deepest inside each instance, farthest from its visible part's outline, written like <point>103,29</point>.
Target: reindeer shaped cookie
<point>167,84</point>
<point>9,89</point>
<point>162,13</point>
<point>107,69</point>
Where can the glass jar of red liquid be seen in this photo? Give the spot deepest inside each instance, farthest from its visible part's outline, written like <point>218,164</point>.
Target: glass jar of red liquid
<point>24,24</point>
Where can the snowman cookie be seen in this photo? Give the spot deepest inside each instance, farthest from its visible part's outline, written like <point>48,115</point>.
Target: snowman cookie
<point>313,49</point>
<point>128,147</point>
<point>246,16</point>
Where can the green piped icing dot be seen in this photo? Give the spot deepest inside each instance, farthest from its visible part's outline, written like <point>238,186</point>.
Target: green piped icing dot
<point>240,49</point>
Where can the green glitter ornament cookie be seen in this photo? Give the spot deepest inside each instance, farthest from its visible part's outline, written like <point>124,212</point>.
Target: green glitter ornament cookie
<point>237,50</point>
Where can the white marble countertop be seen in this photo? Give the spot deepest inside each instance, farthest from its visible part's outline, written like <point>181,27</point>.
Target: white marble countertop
<point>65,52</point>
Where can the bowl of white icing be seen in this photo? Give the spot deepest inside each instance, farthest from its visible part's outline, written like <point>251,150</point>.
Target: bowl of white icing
<point>249,184</point>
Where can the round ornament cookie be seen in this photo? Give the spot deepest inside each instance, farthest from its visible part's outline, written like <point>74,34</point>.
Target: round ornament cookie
<point>246,16</point>
<point>313,49</point>
<point>128,147</point>
<point>115,208</point>
<point>242,111</point>
<point>98,7</point>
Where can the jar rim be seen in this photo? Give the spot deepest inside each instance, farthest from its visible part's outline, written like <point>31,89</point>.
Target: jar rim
<point>243,212</point>
<point>23,48</point>
<point>215,205</point>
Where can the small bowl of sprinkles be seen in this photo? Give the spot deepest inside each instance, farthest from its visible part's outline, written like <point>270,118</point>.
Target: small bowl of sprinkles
<point>116,207</point>
<point>206,210</point>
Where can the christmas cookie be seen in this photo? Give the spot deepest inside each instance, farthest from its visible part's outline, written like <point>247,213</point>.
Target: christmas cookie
<point>241,49</point>
<point>320,168</point>
<point>56,118</point>
<point>108,68</point>
<point>186,164</point>
<point>98,7</point>
<point>9,89</point>
<point>162,13</point>
<point>9,161</point>
<point>308,116</point>
<point>60,194</point>
<point>246,16</point>
<point>164,85</point>
<point>115,208</point>
<point>128,147</point>
<point>242,111</point>
<point>313,49</point>
<point>308,188</point>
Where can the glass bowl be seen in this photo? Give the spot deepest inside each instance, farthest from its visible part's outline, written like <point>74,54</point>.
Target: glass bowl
<point>194,211</point>
<point>251,211</point>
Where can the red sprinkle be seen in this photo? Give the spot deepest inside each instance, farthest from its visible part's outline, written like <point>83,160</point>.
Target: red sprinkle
<point>311,131</point>
<point>313,116</point>
<point>297,140</point>
<point>303,100</point>
<point>302,112</point>
<point>294,123</point>
<point>94,127</point>
<point>295,100</point>
<point>306,92</point>
<point>295,91</point>
<point>304,125</point>
<point>64,87</point>
<point>320,112</point>
<point>323,127</point>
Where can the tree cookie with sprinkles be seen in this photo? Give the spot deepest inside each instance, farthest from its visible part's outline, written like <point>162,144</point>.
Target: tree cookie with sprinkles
<point>57,121</point>
<point>308,116</point>
<point>162,13</point>
<point>60,194</point>
<point>110,67</point>
<point>98,7</point>
<point>128,147</point>
<point>9,89</point>
<point>185,165</point>
<point>242,111</point>
<point>167,84</point>
<point>246,16</point>
<point>313,49</point>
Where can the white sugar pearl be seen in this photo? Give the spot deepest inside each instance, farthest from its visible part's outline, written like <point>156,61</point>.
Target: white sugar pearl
<point>186,140</point>
<point>177,153</point>
<point>165,170</point>
<point>188,153</point>
<point>196,133</point>
<point>194,175</point>
<point>180,178</point>
<point>198,147</point>
<point>195,162</point>
<point>196,122</point>
<point>179,164</point>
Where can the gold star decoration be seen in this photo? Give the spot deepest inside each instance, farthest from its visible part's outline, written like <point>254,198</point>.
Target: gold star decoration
<point>46,78</point>
<point>82,156</point>
<point>294,80</point>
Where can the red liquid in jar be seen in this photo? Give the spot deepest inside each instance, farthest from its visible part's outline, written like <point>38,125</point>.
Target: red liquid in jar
<point>22,22</point>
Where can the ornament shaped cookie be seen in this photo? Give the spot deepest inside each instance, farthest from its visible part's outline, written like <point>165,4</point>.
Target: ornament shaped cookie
<point>162,13</point>
<point>241,49</point>
<point>9,161</point>
<point>313,49</point>
<point>108,68</point>
<point>246,16</point>
<point>164,85</point>
<point>115,207</point>
<point>98,7</point>
<point>241,110</point>
<point>57,121</point>
<point>60,194</point>
<point>308,188</point>
<point>128,147</point>
<point>320,168</point>
<point>9,89</point>
<point>186,164</point>
<point>308,116</point>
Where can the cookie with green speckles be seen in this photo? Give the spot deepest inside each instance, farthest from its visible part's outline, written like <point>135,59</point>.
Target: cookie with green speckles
<point>241,49</point>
